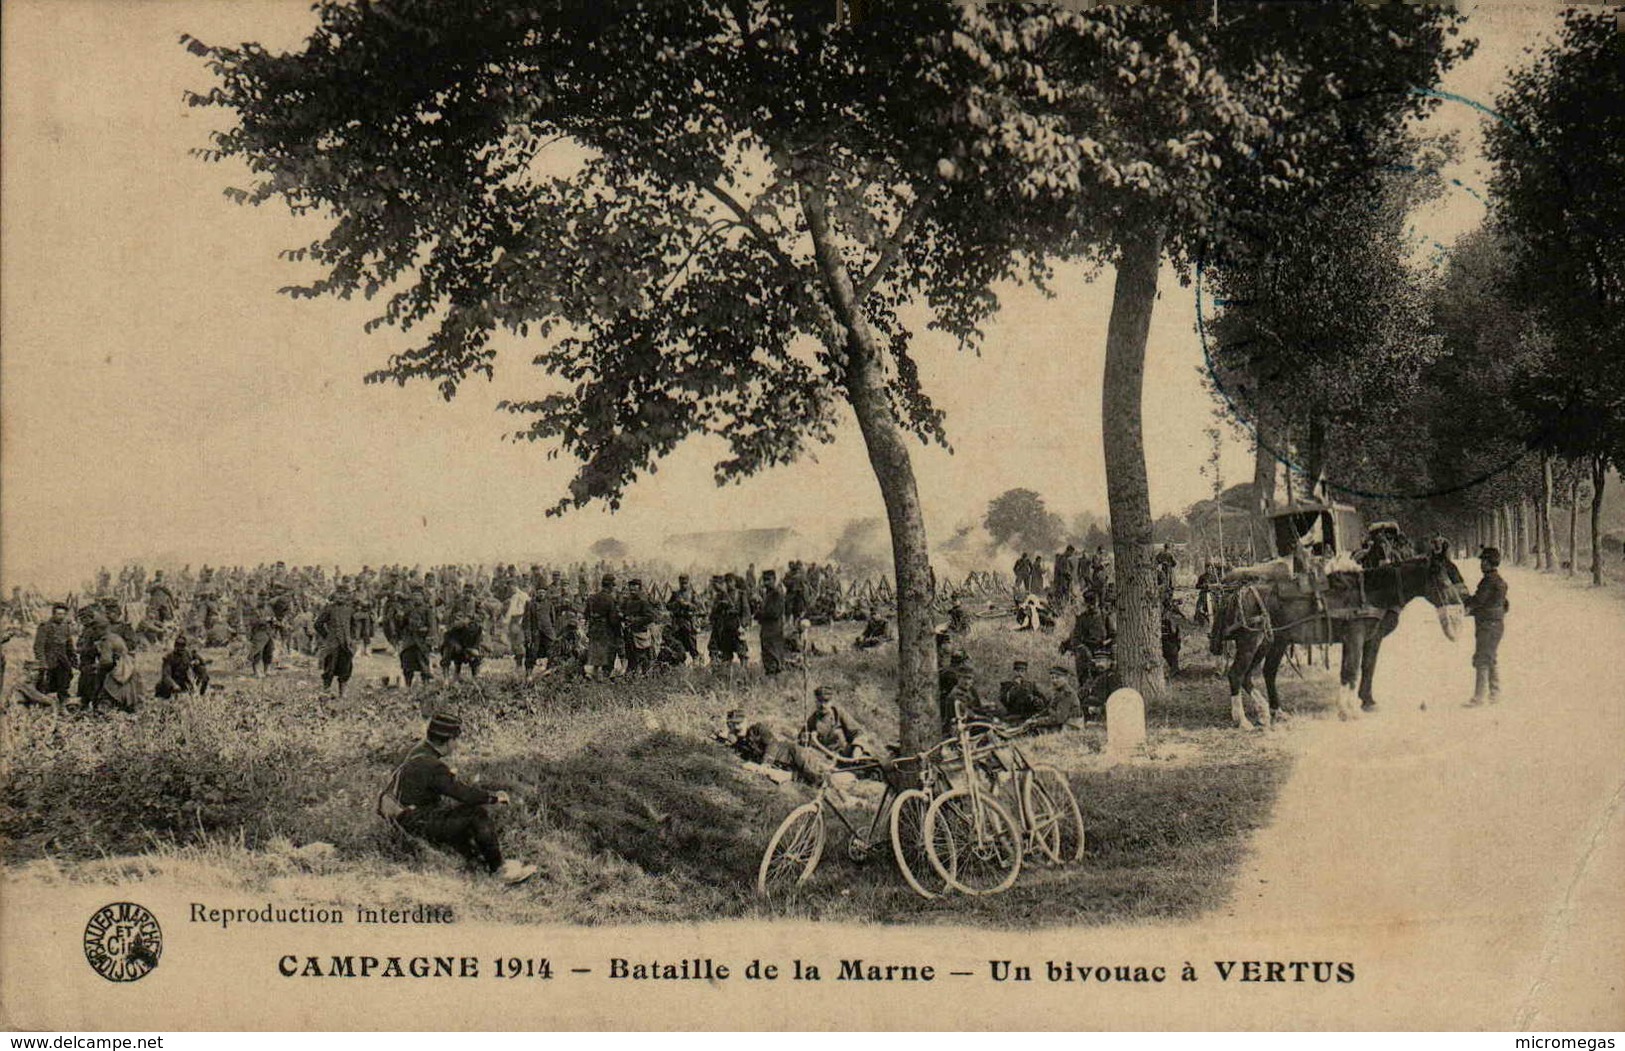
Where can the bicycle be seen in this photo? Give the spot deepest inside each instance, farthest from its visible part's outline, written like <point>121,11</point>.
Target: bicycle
<point>1051,820</point>
<point>971,841</point>
<point>797,845</point>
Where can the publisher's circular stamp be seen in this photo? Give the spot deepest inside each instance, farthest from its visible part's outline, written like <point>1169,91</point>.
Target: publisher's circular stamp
<point>123,942</point>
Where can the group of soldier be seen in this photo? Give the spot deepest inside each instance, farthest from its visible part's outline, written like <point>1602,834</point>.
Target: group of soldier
<point>548,621</point>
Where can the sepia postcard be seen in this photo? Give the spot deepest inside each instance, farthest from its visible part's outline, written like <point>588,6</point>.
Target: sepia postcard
<point>812,515</point>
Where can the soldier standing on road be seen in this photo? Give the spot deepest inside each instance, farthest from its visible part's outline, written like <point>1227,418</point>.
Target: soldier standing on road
<point>426,799</point>
<point>1488,607</point>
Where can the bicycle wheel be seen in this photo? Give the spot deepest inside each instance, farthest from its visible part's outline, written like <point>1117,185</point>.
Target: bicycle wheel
<point>970,855</point>
<point>908,843</point>
<point>794,850</point>
<point>1057,819</point>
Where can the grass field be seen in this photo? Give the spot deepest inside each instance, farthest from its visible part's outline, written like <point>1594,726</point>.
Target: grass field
<point>621,797</point>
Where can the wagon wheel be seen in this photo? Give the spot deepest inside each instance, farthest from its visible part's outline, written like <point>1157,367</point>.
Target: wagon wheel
<point>793,852</point>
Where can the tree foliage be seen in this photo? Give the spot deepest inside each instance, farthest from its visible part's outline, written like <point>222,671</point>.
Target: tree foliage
<point>1176,130</point>
<point>664,260</point>
<point>1558,194</point>
<point>1018,519</point>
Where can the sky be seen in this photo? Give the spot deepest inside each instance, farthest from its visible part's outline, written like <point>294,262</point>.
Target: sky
<point>159,400</point>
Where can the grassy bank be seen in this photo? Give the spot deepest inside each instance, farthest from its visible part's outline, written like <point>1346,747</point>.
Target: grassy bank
<point>619,794</point>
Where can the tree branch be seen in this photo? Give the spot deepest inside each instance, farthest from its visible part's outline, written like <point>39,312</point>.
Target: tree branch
<point>751,224</point>
<point>894,244</point>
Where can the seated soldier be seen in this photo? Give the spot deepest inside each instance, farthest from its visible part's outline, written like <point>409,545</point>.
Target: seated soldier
<point>1064,709</point>
<point>955,677</point>
<point>183,671</point>
<point>1034,614</point>
<point>426,799</point>
<point>1022,699</point>
<point>876,632</point>
<point>832,732</point>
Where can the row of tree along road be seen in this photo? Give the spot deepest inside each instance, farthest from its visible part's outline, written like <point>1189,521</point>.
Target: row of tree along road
<point>710,215</point>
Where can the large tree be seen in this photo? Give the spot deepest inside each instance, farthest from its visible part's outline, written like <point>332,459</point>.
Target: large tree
<point>1017,518</point>
<point>1322,335</point>
<point>1168,128</point>
<point>1558,195</point>
<point>756,190</point>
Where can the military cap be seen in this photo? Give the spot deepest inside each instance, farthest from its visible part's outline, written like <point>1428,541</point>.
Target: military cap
<point>1059,669</point>
<point>609,578</point>
<point>444,724</point>
<point>1019,665</point>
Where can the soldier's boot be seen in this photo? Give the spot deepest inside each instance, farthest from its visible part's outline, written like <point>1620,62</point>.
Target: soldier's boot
<point>1481,682</point>
<point>1494,676</point>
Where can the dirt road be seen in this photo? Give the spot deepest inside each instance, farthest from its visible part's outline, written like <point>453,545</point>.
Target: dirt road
<point>1470,861</point>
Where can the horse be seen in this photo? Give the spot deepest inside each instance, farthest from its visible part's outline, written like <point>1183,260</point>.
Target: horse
<point>1265,612</point>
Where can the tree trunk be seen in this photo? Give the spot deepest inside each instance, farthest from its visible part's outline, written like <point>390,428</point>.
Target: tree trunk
<point>1544,514</point>
<point>1138,645</point>
<point>919,724</point>
<point>1599,475</point>
<point>1314,460</point>
<point>1264,464</point>
<point>1515,531</point>
<point>1574,522</point>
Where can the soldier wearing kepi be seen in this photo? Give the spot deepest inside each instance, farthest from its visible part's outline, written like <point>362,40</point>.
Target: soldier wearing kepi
<point>414,630</point>
<point>770,619</point>
<point>1488,607</point>
<point>638,616</point>
<point>53,649</point>
<point>1020,696</point>
<point>604,637</point>
<point>427,799</point>
<point>335,627</point>
<point>684,607</point>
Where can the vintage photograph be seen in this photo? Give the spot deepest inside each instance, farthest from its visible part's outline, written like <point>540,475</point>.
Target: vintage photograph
<point>812,514</point>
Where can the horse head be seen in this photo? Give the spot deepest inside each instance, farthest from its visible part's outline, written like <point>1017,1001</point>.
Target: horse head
<point>1443,588</point>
